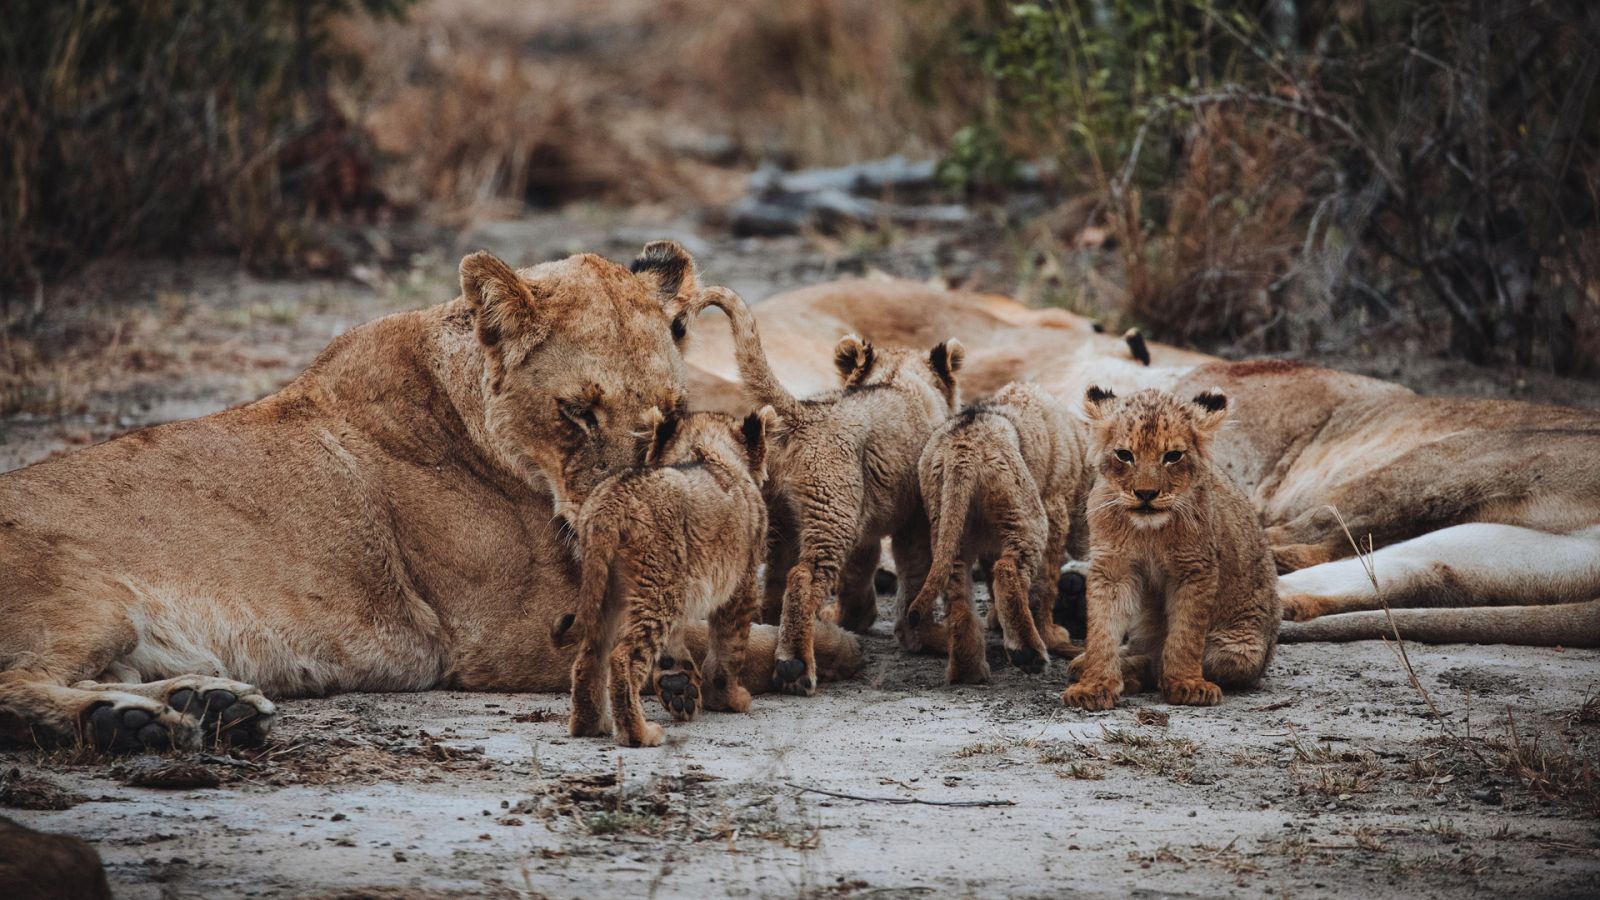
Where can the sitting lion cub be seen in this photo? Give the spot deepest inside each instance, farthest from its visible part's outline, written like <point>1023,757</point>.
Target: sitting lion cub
<point>1001,479</point>
<point>679,537</point>
<point>1178,561</point>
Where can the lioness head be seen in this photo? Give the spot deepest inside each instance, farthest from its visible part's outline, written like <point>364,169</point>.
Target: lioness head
<point>1148,447</point>
<point>863,364</point>
<point>575,352</point>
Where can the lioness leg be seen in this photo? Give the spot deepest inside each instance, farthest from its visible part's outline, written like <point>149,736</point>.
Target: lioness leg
<point>730,634</point>
<point>677,678</point>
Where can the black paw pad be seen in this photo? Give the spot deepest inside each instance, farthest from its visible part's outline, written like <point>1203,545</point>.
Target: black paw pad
<point>1072,603</point>
<point>789,675</point>
<point>885,581</point>
<point>125,730</point>
<point>666,662</point>
<point>1027,659</point>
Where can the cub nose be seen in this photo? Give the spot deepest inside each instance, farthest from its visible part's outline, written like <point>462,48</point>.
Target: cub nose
<point>1146,496</point>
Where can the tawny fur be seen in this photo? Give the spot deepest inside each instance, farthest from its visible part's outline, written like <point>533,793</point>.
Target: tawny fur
<point>1303,440</point>
<point>388,521</point>
<point>1179,566</point>
<point>1002,481</point>
<point>680,538</point>
<point>843,477</point>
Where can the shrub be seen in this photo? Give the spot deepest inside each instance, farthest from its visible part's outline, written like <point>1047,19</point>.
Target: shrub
<point>1259,162</point>
<point>160,125</point>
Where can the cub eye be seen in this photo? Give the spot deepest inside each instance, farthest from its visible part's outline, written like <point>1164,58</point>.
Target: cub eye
<point>580,415</point>
<point>1172,456</point>
<point>1125,456</point>
<point>680,327</point>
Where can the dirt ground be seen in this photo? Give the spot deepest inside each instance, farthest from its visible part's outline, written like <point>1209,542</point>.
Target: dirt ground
<point>1334,777</point>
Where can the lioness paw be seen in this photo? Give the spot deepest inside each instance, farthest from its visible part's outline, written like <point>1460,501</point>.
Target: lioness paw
<point>124,723</point>
<point>1191,692</point>
<point>1302,607</point>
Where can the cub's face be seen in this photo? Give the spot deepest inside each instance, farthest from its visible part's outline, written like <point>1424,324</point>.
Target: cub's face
<point>577,352</point>
<point>1148,449</point>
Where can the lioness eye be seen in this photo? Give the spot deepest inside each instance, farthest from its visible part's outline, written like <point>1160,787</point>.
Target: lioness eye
<point>1172,456</point>
<point>579,414</point>
<point>680,327</point>
<point>1125,456</point>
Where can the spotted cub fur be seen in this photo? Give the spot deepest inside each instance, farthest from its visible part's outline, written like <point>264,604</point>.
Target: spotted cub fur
<point>1179,564</point>
<point>679,537</point>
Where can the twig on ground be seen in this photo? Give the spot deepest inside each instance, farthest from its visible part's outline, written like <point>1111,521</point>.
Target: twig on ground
<point>900,801</point>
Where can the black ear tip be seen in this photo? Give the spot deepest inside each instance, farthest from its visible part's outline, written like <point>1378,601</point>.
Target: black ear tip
<point>1212,401</point>
<point>1098,394</point>
<point>753,428</point>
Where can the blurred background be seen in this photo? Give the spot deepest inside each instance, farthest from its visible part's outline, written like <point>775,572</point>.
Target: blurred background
<point>194,196</point>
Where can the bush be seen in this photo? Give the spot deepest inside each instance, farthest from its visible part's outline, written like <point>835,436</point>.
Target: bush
<point>1263,164</point>
<point>160,125</point>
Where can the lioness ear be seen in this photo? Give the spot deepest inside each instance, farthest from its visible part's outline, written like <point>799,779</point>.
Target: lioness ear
<point>1097,401</point>
<point>669,270</point>
<point>854,358</point>
<point>1213,410</point>
<point>946,360</point>
<point>501,302</point>
<point>659,430</point>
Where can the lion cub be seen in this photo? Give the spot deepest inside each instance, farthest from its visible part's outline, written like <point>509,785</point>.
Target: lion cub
<point>1001,480</point>
<point>844,476</point>
<point>679,537</point>
<point>1179,564</point>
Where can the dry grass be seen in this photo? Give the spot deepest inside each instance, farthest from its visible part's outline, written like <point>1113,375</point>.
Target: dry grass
<point>480,106</point>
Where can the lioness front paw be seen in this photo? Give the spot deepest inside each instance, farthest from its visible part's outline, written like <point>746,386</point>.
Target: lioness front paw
<point>1190,692</point>
<point>231,713</point>
<point>125,723</point>
<point>1092,695</point>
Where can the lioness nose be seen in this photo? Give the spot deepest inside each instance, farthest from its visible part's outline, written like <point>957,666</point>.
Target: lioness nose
<point>1146,496</point>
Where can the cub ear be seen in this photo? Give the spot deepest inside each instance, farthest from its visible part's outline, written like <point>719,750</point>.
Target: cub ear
<point>669,271</point>
<point>1097,401</point>
<point>658,431</point>
<point>854,358</point>
<point>501,301</point>
<point>1213,409</point>
<point>946,360</point>
<point>755,431</point>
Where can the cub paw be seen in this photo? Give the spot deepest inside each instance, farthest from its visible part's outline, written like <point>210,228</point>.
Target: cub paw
<point>961,670</point>
<point>649,734</point>
<point>726,696</point>
<point>790,676</point>
<point>680,693</point>
<point>1092,695</point>
<point>1191,692</point>
<point>1028,659</point>
<point>130,724</point>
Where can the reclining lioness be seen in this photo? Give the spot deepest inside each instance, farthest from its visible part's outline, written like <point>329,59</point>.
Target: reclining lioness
<point>387,521</point>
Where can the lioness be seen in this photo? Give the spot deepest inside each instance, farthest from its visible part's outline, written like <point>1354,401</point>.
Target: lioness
<point>1001,480</point>
<point>843,477</point>
<point>679,537</point>
<point>388,521</point>
<point>1178,563</point>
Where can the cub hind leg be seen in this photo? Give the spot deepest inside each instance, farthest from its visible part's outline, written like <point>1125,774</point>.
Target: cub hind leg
<point>650,617</point>
<point>729,640</point>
